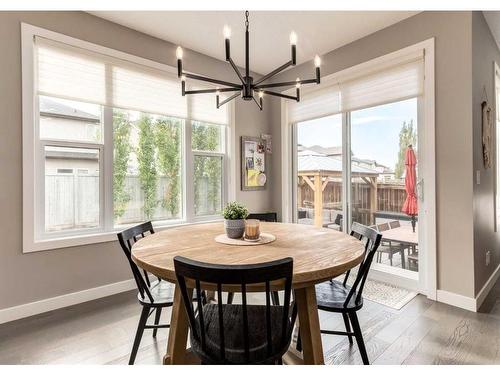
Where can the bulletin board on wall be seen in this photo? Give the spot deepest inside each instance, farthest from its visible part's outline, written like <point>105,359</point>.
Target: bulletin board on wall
<point>254,163</point>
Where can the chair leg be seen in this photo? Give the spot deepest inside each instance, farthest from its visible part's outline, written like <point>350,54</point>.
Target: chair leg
<point>275,297</point>
<point>359,337</point>
<point>390,258</point>
<point>157,320</point>
<point>403,263</point>
<point>230,297</point>
<point>299,343</point>
<point>138,335</point>
<point>347,326</point>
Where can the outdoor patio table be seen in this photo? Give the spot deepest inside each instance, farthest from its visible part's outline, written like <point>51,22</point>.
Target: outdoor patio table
<point>318,255</point>
<point>403,234</point>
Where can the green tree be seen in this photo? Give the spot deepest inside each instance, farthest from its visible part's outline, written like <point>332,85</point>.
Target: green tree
<point>207,169</point>
<point>407,136</point>
<point>121,154</point>
<point>168,140</point>
<point>147,167</point>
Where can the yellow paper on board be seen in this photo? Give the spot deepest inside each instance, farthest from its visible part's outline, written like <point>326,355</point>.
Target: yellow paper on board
<point>252,177</point>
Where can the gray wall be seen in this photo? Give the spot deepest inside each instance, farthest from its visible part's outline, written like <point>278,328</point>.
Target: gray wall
<point>453,88</point>
<point>484,52</point>
<point>30,277</point>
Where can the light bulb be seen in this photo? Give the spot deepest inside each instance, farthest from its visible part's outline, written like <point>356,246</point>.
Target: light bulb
<point>317,61</point>
<point>183,78</point>
<point>297,85</point>
<point>178,53</point>
<point>227,32</point>
<point>293,38</point>
<point>261,94</point>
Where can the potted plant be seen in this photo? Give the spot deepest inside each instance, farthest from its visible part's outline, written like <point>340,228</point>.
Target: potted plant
<point>234,219</point>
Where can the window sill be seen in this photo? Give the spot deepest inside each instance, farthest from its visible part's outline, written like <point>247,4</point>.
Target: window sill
<point>95,238</point>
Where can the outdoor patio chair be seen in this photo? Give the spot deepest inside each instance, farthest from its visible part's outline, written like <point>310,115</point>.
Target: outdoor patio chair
<point>390,247</point>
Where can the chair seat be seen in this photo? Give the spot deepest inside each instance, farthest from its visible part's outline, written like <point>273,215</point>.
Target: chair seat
<point>162,293</point>
<point>234,336</point>
<point>331,296</point>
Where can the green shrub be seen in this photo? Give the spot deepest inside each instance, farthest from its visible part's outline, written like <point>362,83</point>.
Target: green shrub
<point>235,211</point>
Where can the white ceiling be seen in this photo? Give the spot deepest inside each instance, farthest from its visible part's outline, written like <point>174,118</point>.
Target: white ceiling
<point>493,20</point>
<point>318,31</point>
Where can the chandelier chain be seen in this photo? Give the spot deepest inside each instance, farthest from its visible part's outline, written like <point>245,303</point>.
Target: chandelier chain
<point>246,19</point>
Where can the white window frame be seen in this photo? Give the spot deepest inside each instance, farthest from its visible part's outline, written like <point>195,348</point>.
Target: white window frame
<point>34,168</point>
<point>428,284</point>
<point>496,81</point>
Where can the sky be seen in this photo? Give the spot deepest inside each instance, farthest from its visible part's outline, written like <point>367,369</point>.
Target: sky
<point>374,131</point>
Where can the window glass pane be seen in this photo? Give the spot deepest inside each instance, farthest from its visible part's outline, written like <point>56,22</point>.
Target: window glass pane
<point>69,120</point>
<point>381,139</point>
<point>207,185</point>
<point>71,198</point>
<point>319,163</point>
<point>207,137</point>
<point>146,167</point>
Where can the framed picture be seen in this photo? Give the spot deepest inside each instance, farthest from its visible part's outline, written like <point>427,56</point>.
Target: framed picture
<point>253,163</point>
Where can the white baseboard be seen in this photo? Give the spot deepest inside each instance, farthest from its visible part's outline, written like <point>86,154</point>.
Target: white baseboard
<point>54,303</point>
<point>480,297</point>
<point>457,300</point>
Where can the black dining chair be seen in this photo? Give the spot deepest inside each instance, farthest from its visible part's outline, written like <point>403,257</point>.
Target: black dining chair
<point>338,297</point>
<point>271,217</point>
<point>238,333</point>
<point>152,295</point>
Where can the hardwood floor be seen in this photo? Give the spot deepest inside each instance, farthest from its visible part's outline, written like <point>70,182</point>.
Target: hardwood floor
<point>102,331</point>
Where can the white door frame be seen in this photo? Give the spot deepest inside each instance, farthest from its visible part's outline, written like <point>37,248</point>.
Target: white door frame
<point>427,163</point>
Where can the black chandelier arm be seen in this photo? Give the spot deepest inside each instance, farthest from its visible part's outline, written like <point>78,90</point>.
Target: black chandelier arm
<point>259,103</point>
<point>220,104</point>
<point>279,95</point>
<point>236,70</point>
<point>212,91</point>
<point>274,72</point>
<point>282,84</point>
<point>211,80</point>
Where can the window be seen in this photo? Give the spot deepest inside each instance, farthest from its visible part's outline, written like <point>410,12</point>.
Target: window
<point>208,157</point>
<point>497,142</point>
<point>116,142</point>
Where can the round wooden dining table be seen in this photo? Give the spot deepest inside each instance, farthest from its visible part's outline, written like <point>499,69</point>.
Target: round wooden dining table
<point>318,254</point>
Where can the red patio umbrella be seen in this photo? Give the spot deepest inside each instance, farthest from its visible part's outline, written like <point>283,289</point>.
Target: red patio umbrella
<point>410,207</point>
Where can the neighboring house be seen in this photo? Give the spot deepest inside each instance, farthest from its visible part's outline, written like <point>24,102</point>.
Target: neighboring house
<point>385,174</point>
<point>64,122</point>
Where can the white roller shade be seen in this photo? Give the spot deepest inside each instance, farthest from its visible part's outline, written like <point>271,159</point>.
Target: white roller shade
<point>320,103</point>
<point>65,72</point>
<point>397,83</point>
<point>367,87</point>
<point>78,74</point>
<point>203,107</point>
<point>147,91</point>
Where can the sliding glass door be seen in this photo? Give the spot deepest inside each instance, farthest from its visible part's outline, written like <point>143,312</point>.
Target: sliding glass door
<point>319,158</point>
<point>362,166</point>
<point>383,141</point>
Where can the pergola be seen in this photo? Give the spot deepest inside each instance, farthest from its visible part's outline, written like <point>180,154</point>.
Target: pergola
<point>317,170</point>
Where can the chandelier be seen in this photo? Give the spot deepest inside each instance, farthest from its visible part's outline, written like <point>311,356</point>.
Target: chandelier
<point>247,88</point>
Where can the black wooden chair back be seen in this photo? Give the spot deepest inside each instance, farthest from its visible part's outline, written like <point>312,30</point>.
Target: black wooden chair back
<point>194,272</point>
<point>372,239</point>
<point>271,217</point>
<point>127,239</point>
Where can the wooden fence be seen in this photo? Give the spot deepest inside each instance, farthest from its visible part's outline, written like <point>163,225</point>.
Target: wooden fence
<point>390,198</point>
<point>72,201</point>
